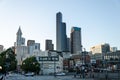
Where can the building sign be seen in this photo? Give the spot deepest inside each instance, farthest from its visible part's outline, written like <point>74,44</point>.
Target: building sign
<point>50,58</point>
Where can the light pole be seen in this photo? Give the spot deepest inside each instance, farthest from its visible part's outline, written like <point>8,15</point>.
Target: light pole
<point>6,63</point>
<point>42,66</point>
<point>0,71</point>
<point>54,67</point>
<point>23,71</point>
<point>82,65</point>
<point>83,62</point>
<point>106,75</point>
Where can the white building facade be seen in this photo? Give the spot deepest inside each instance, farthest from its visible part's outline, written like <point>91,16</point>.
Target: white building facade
<point>50,63</point>
<point>33,47</point>
<point>22,52</point>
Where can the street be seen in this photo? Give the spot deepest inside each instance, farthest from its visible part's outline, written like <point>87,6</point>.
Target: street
<point>22,77</point>
<point>97,76</point>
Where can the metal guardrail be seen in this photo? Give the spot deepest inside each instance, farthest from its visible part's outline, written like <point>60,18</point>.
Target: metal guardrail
<point>108,76</point>
<point>101,76</point>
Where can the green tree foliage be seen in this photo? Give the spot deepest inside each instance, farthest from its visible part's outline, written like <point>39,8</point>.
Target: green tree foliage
<point>8,60</point>
<point>30,65</point>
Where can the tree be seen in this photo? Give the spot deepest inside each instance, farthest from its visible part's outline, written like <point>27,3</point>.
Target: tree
<point>30,65</point>
<point>8,60</point>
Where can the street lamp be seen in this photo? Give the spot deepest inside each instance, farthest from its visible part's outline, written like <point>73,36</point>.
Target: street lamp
<point>54,67</point>
<point>42,67</point>
<point>106,74</point>
<point>0,68</point>
<point>83,62</point>
<point>6,63</point>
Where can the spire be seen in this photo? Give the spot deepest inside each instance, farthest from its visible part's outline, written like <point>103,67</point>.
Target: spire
<point>19,31</point>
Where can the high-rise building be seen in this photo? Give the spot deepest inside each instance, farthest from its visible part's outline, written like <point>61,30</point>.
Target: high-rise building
<point>20,49</point>
<point>30,42</point>
<point>61,38</point>
<point>37,46</point>
<point>64,37</point>
<point>59,31</point>
<point>19,40</point>
<point>32,46</point>
<point>76,45</point>
<point>68,45</point>
<point>49,45</point>
<point>102,48</point>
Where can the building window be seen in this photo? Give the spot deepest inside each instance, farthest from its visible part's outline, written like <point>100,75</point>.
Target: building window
<point>56,59</point>
<point>45,59</point>
<point>35,47</point>
<point>40,59</point>
<point>49,58</point>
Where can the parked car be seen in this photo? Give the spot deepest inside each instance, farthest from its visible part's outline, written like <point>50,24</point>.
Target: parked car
<point>29,74</point>
<point>60,74</point>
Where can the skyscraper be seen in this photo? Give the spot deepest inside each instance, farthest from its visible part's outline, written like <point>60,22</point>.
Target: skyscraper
<point>32,46</point>
<point>64,37</point>
<point>49,45</point>
<point>68,45</point>
<point>37,46</point>
<point>76,45</point>
<point>20,40</point>
<point>30,42</point>
<point>61,38</point>
<point>59,31</point>
<point>21,50</point>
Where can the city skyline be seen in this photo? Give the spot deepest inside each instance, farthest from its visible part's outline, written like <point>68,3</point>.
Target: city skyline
<point>98,20</point>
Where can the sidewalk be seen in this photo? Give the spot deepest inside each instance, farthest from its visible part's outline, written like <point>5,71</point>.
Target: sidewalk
<point>85,78</point>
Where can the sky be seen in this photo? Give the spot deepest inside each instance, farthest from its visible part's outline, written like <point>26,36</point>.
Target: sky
<point>99,20</point>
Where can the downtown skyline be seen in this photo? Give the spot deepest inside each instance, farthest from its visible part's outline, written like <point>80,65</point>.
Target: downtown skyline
<point>98,20</point>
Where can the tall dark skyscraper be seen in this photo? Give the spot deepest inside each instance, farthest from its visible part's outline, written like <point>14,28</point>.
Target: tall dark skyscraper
<point>68,45</point>
<point>76,45</point>
<point>61,38</point>
<point>64,37</point>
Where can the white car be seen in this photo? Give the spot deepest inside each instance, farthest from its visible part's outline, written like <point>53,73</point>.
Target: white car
<point>60,74</point>
<point>29,74</point>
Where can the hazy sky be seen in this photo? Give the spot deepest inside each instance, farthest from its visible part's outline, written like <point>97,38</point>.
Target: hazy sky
<point>98,19</point>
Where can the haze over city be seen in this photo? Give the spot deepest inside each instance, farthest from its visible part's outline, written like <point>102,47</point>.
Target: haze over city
<point>98,20</point>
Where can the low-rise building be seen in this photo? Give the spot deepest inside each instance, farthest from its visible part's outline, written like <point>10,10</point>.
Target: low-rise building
<point>50,62</point>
